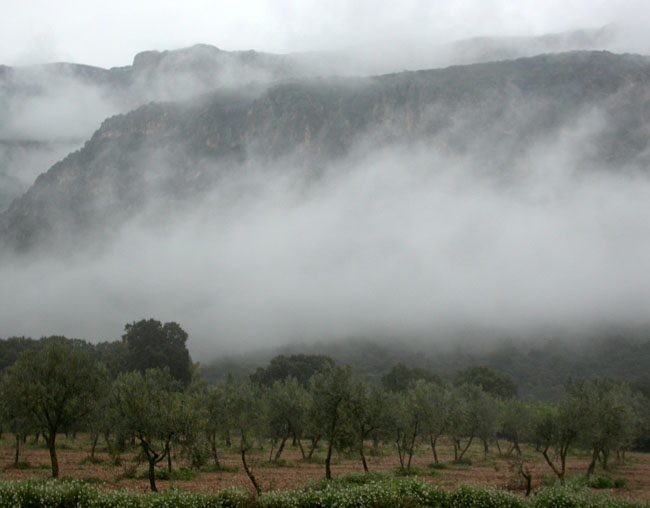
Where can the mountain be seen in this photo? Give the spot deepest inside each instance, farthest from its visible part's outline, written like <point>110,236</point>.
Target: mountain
<point>47,111</point>
<point>493,112</point>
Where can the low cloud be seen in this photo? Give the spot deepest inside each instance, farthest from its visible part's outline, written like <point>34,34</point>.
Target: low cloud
<point>402,242</point>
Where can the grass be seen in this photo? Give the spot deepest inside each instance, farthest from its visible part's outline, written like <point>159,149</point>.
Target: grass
<point>372,490</point>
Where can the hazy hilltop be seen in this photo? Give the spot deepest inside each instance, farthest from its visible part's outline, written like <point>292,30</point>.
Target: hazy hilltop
<point>492,113</point>
<point>49,110</point>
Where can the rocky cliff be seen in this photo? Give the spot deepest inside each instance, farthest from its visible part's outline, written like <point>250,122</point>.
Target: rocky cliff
<point>493,111</point>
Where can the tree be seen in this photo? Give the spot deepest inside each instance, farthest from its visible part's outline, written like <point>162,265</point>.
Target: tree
<point>400,378</point>
<point>434,403</point>
<point>54,386</point>
<point>153,345</point>
<point>367,409</point>
<point>287,404</point>
<point>218,417</point>
<point>516,423</point>
<point>302,367</point>
<point>557,428</point>
<point>248,419</point>
<point>330,393</point>
<point>610,419</point>
<point>148,408</point>
<point>474,415</point>
<point>493,382</point>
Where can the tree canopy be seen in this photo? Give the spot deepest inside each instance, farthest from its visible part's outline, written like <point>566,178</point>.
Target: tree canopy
<point>153,345</point>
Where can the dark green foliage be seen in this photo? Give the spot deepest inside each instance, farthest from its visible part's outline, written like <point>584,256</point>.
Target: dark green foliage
<point>53,387</point>
<point>12,348</point>
<point>491,381</point>
<point>152,345</point>
<point>400,377</point>
<point>349,491</point>
<point>539,368</point>
<point>301,366</point>
<point>604,482</point>
<point>182,474</point>
<point>79,494</point>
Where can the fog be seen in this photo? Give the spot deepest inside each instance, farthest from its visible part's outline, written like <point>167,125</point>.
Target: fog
<point>395,242</point>
<point>69,30</point>
<point>402,243</point>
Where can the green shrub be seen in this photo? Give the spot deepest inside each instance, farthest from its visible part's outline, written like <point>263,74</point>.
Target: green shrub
<point>19,465</point>
<point>601,482</point>
<point>484,497</point>
<point>558,497</point>
<point>75,494</point>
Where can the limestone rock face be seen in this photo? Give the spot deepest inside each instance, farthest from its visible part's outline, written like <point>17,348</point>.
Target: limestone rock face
<point>493,111</point>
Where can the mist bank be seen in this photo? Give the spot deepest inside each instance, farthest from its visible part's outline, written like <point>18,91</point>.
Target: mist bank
<point>48,110</point>
<point>483,201</point>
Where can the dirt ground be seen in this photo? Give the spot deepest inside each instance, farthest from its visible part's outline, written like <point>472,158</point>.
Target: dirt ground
<point>494,470</point>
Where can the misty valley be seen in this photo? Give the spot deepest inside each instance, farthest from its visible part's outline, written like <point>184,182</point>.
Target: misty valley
<point>377,287</point>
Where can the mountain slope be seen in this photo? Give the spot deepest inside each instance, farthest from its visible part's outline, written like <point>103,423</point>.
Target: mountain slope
<point>494,112</point>
<point>47,111</point>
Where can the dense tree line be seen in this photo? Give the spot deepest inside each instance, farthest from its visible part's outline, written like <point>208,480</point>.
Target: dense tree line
<point>58,385</point>
<point>540,366</point>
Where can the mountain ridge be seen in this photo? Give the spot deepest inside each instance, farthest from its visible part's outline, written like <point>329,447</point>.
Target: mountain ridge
<point>316,120</point>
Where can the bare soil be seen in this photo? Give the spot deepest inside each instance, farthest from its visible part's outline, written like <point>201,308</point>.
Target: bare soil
<point>495,469</point>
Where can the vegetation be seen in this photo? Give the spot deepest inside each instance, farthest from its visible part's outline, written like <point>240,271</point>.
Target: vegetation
<point>58,385</point>
<point>373,493</point>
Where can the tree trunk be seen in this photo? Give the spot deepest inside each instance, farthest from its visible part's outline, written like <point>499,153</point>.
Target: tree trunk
<point>528,476</point>
<point>169,459</point>
<point>400,452</point>
<point>314,444</point>
<point>152,475</point>
<point>558,473</point>
<point>302,450</point>
<point>280,449</point>
<point>485,448</point>
<point>328,459</point>
<point>462,453</point>
<point>93,446</point>
<point>412,446</point>
<point>434,440</point>
<point>249,473</point>
<point>213,444</point>
<point>592,464</point>
<point>51,446</point>
<point>17,455</point>
<point>363,457</point>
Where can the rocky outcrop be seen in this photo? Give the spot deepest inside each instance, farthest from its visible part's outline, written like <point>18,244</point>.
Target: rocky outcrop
<point>494,111</point>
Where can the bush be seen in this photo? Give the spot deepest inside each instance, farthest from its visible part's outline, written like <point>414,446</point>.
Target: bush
<point>19,465</point>
<point>74,494</point>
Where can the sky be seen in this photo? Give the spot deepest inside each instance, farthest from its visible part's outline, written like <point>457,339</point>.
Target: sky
<point>109,34</point>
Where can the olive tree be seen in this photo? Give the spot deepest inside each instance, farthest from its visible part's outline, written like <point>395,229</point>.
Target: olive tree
<point>287,404</point>
<point>368,415</point>
<point>610,419</point>
<point>53,386</point>
<point>330,390</point>
<point>148,408</point>
<point>247,418</point>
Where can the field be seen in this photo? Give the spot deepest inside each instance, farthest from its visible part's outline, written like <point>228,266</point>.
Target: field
<point>495,470</point>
